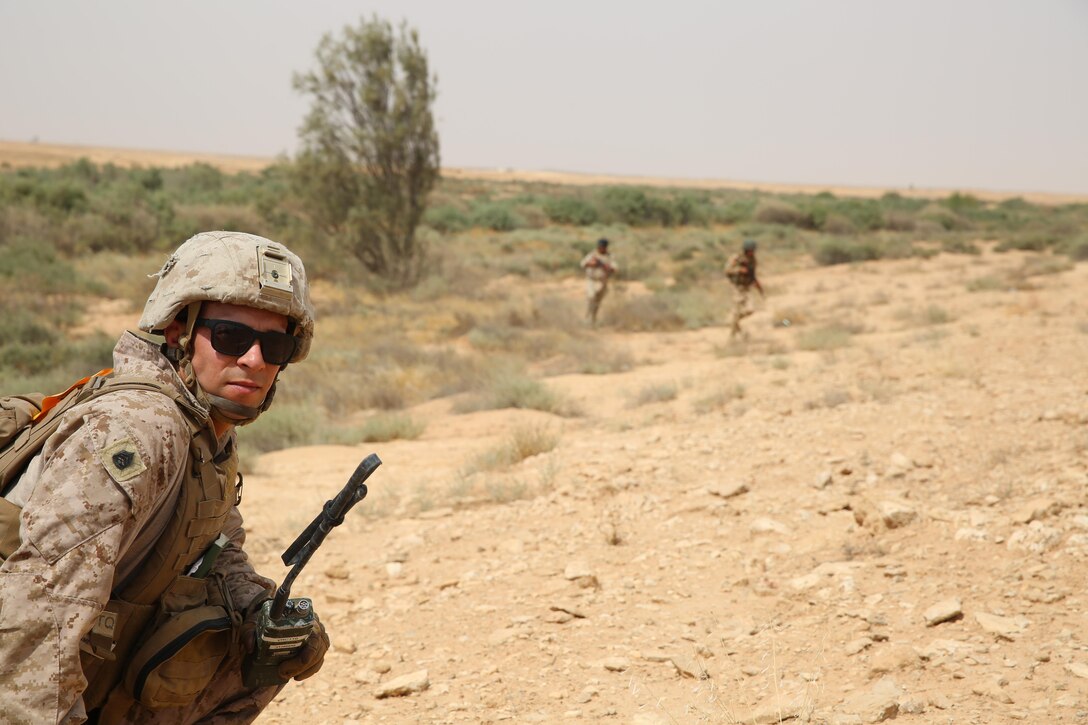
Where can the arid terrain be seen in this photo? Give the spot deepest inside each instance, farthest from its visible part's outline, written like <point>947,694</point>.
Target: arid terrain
<point>871,508</point>
<point>891,526</point>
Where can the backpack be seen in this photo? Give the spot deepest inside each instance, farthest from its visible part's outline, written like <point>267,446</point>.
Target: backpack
<point>26,421</point>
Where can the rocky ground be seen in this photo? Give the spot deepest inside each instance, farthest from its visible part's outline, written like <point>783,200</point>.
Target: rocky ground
<point>889,525</point>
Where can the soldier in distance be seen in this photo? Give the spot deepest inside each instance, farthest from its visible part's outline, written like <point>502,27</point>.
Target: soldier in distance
<point>599,266</point>
<point>128,597</point>
<point>741,272</point>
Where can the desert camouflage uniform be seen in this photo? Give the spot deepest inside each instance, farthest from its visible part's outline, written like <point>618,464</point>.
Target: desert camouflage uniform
<point>597,281</point>
<point>88,518</point>
<point>741,271</point>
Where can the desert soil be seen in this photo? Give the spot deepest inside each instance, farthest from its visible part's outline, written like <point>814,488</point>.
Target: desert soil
<point>893,528</point>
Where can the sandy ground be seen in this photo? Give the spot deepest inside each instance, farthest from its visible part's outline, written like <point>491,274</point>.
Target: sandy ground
<point>892,528</point>
<point>17,154</point>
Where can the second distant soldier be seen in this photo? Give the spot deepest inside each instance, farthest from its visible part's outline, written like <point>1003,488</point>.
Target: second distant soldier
<point>741,271</point>
<point>599,266</point>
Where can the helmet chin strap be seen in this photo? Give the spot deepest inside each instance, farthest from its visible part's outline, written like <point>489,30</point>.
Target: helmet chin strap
<point>221,409</point>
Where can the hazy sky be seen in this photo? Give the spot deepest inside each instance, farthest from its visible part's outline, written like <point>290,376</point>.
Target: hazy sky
<point>989,94</point>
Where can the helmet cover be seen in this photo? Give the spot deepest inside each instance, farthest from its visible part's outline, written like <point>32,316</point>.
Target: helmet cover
<point>234,268</point>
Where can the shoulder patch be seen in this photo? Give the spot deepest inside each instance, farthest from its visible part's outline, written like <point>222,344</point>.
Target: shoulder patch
<point>122,460</point>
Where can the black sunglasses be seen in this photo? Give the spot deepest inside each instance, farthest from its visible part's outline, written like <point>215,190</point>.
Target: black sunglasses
<point>235,339</point>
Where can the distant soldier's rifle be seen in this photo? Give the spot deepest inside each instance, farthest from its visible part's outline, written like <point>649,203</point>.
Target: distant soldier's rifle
<point>284,624</point>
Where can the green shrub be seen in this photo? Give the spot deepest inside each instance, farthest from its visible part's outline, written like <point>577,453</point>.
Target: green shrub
<point>774,211</point>
<point>1076,249</point>
<point>509,389</point>
<point>384,427</point>
<point>524,441</point>
<point>570,210</point>
<point>446,219</point>
<point>284,425</point>
<point>842,251</point>
<point>496,216</point>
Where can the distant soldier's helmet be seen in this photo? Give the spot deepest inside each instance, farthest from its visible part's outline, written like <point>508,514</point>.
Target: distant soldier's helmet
<point>233,268</point>
<point>749,245</point>
<point>602,243</point>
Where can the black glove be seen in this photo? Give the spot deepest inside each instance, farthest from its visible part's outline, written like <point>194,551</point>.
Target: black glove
<point>310,658</point>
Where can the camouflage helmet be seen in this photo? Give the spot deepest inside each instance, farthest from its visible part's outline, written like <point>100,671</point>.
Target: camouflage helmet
<point>749,245</point>
<point>238,269</point>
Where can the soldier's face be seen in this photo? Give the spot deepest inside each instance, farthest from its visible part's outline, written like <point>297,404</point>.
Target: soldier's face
<point>245,378</point>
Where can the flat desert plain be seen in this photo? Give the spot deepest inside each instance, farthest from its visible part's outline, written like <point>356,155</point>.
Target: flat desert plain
<point>890,527</point>
<point>871,509</point>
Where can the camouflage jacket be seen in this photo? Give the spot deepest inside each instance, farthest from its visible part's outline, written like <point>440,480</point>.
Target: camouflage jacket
<point>741,270</point>
<point>85,524</point>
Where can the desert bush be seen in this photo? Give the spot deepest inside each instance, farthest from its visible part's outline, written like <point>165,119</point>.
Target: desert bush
<point>496,216</point>
<point>841,251</point>
<point>956,245</point>
<point>570,210</point>
<point>1037,241</point>
<point>654,393</point>
<point>827,337</point>
<point>774,211</point>
<point>899,221</point>
<point>643,313</point>
<point>831,398</point>
<point>986,283</point>
<point>284,425</point>
<point>1076,248</point>
<point>1042,265</point>
<point>511,389</point>
<point>446,219</point>
<point>734,211</point>
<point>719,399</point>
<point>930,315</point>
<point>384,427</point>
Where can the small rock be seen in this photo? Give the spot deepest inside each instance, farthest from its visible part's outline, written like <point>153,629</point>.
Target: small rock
<point>654,656</point>
<point>823,480</point>
<point>968,533</point>
<point>337,572</point>
<point>1006,627</point>
<point>689,667</point>
<point>365,677</point>
<point>898,465</point>
<point>394,569</point>
<point>502,636</point>
<point>896,513</point>
<point>615,664</point>
<point>404,685</point>
<point>857,645</point>
<point>1035,538</point>
<point>580,573</point>
<point>892,659</point>
<point>993,691</point>
<point>877,704</point>
<point>728,490</point>
<point>1077,669</point>
<point>944,611</point>
<point>1035,510</point>
<point>764,525</point>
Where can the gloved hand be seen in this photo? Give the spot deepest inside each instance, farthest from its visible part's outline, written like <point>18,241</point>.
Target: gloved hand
<point>310,658</point>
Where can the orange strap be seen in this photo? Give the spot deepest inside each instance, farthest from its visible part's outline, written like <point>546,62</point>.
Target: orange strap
<point>49,402</point>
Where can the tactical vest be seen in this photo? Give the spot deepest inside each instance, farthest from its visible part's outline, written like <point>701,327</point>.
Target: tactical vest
<point>163,633</point>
